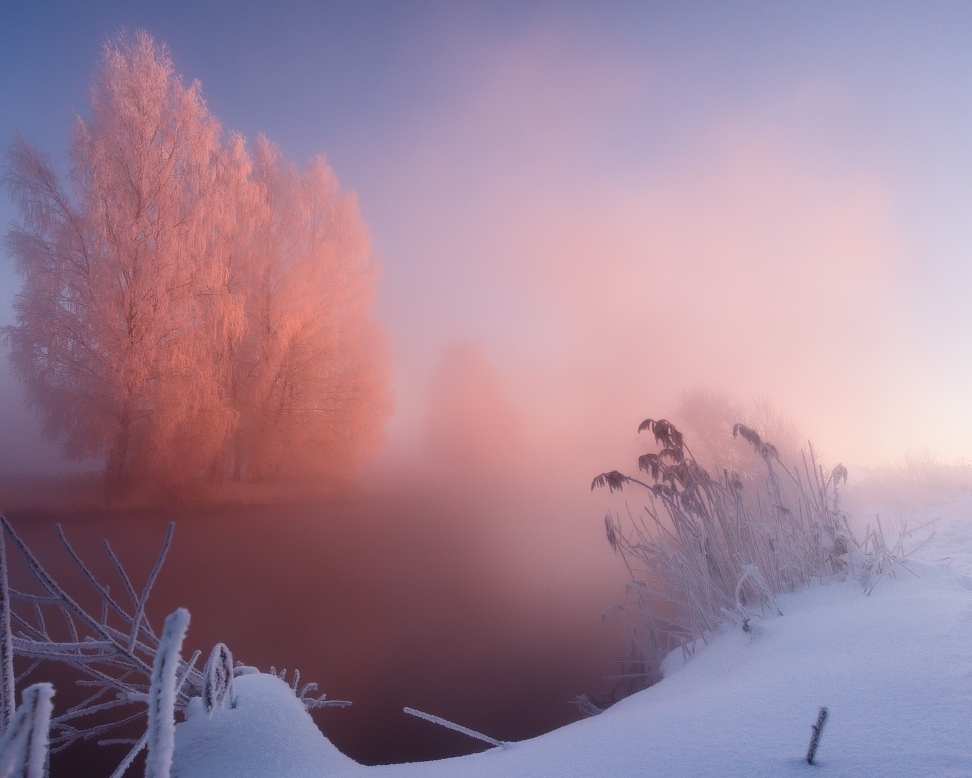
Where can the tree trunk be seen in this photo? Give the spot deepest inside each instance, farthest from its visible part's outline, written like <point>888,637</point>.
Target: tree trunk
<point>116,471</point>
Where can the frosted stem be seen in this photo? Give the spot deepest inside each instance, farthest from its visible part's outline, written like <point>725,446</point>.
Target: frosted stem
<point>457,727</point>
<point>7,701</point>
<point>162,696</point>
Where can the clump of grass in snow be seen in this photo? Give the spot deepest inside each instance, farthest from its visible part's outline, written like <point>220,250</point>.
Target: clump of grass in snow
<point>700,552</point>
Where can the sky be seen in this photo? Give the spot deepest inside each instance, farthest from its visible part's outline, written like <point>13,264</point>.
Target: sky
<point>588,209</point>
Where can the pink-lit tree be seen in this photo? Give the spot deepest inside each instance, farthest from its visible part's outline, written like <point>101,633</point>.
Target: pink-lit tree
<point>309,376</point>
<point>188,311</point>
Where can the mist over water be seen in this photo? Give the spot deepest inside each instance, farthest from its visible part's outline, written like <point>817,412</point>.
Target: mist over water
<point>478,604</point>
<point>577,219</point>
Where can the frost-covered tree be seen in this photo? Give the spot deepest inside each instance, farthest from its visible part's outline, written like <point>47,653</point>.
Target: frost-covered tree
<point>309,377</point>
<point>117,271</point>
<point>188,310</point>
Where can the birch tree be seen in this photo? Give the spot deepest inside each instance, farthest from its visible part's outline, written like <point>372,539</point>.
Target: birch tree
<point>309,377</point>
<point>115,276</point>
<point>190,309</point>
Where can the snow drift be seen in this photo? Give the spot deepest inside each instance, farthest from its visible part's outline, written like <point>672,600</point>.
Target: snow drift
<point>894,669</point>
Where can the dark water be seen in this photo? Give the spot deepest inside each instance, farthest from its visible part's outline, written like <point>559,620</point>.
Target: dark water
<point>482,610</point>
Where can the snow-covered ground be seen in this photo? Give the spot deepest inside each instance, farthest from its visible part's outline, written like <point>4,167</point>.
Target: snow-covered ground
<point>893,668</point>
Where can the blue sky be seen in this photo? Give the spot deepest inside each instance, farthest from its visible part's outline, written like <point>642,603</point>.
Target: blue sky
<point>617,202</point>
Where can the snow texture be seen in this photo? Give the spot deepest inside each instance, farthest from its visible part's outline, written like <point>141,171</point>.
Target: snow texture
<point>162,695</point>
<point>268,733</point>
<point>893,668</point>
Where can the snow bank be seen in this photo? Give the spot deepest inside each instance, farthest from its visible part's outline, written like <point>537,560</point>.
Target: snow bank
<point>267,735</point>
<point>894,669</point>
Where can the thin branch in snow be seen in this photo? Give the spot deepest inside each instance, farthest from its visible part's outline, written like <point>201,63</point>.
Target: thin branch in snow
<point>457,728</point>
<point>815,737</point>
<point>585,706</point>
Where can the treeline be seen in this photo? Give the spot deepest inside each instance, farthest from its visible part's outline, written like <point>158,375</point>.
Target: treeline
<point>191,308</point>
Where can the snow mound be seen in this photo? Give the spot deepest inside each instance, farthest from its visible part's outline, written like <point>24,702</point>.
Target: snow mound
<point>267,735</point>
<point>893,668</point>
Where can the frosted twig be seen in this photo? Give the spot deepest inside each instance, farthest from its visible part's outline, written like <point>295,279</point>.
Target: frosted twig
<point>130,757</point>
<point>815,737</point>
<point>162,696</point>
<point>33,666</point>
<point>7,679</point>
<point>457,728</point>
<point>150,581</point>
<point>126,581</point>
<point>585,706</point>
<point>142,741</point>
<point>24,745</point>
<point>114,660</point>
<point>217,688</point>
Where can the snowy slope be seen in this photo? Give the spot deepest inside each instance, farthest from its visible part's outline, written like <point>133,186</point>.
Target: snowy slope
<point>268,734</point>
<point>894,668</point>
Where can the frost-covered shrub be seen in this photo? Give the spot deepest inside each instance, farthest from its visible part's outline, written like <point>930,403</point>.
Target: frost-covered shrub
<point>113,651</point>
<point>132,672</point>
<point>701,551</point>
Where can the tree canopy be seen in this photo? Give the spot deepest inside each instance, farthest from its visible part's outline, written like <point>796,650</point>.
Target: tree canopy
<point>191,308</point>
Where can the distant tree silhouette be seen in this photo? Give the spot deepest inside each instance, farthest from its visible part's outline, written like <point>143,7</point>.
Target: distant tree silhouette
<point>471,422</point>
<point>709,416</point>
<point>188,310</point>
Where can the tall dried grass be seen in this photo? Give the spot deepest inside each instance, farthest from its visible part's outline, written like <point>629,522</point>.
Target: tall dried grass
<point>700,551</point>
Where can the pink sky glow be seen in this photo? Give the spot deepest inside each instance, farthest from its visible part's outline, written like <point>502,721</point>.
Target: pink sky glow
<point>610,208</point>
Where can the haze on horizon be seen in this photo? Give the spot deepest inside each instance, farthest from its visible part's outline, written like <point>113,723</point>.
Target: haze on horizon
<point>581,213</point>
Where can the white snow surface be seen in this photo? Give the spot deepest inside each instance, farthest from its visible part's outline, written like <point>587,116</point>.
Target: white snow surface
<point>894,669</point>
<point>267,735</point>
